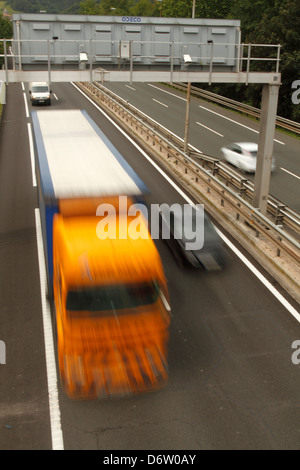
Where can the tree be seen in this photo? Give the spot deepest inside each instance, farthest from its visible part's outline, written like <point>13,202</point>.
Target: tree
<point>89,7</point>
<point>6,29</point>
<point>6,32</point>
<point>203,8</point>
<point>144,8</point>
<point>274,22</point>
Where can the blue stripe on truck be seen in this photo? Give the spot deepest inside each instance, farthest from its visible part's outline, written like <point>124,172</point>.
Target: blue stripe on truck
<point>43,167</point>
<point>47,200</point>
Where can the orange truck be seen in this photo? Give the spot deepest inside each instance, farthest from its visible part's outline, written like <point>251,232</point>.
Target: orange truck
<point>109,291</point>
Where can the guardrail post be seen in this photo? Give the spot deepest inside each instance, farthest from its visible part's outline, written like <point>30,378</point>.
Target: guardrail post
<point>279,215</point>
<point>265,147</point>
<point>242,187</point>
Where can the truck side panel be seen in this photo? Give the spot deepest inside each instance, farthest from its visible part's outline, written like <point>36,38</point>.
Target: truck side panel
<point>47,202</point>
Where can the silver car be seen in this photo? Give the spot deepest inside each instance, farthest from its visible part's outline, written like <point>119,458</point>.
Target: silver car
<point>243,155</point>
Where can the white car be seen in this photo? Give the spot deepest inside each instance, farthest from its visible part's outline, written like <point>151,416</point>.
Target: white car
<point>243,156</point>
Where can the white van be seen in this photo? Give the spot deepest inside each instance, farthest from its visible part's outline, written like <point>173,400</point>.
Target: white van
<point>40,93</point>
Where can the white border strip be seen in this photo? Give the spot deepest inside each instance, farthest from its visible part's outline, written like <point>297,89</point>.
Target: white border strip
<point>252,268</point>
<point>31,149</point>
<point>56,431</point>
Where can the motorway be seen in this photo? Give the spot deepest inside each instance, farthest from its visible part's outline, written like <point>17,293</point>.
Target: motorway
<point>232,382</point>
<point>212,127</point>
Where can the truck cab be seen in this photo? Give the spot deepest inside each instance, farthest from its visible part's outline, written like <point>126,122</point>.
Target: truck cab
<point>112,311</point>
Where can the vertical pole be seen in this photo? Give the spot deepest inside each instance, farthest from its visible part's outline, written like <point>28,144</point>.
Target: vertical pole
<point>19,44</point>
<point>265,146</point>
<point>194,8</point>
<point>187,117</point>
<point>238,60</point>
<point>172,63</point>
<point>5,61</point>
<point>278,58</point>
<point>248,63</point>
<point>91,60</point>
<point>211,60</point>
<point>49,72</point>
<point>131,60</point>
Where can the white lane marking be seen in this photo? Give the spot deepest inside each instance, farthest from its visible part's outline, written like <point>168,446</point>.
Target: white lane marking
<point>255,271</point>
<point>139,148</point>
<point>55,96</point>
<point>208,128</point>
<point>131,87</point>
<point>261,277</point>
<point>290,173</point>
<point>55,422</point>
<point>168,92</point>
<point>159,102</point>
<point>168,130</point>
<point>207,109</point>
<point>25,101</point>
<point>236,122</point>
<point>31,150</point>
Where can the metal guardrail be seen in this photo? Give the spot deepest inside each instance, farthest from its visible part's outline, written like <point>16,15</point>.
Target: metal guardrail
<point>233,104</point>
<point>228,184</point>
<point>281,214</point>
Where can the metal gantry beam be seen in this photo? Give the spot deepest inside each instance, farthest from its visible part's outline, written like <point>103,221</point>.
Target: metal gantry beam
<point>175,70</point>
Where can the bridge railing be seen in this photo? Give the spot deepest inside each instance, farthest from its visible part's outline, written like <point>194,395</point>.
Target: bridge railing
<point>206,55</point>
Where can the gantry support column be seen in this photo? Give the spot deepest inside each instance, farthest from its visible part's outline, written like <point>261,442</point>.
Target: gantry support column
<point>265,146</point>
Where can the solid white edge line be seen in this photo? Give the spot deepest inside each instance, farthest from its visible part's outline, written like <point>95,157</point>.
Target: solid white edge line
<point>255,271</point>
<point>260,276</point>
<point>55,422</point>
<point>31,150</point>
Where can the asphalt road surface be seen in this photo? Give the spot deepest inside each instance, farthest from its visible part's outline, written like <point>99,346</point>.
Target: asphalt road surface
<point>232,382</point>
<point>212,127</point>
